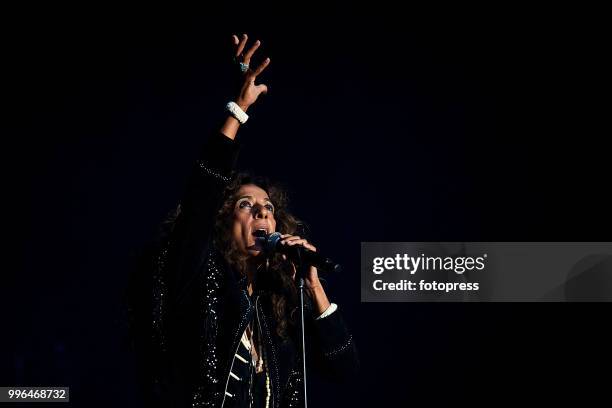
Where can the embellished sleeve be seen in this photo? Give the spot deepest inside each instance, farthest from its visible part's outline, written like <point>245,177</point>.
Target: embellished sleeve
<point>331,346</point>
<point>193,231</point>
<point>162,294</point>
<point>334,352</point>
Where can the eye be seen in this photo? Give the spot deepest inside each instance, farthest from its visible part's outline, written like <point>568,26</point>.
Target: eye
<point>244,203</point>
<point>269,207</point>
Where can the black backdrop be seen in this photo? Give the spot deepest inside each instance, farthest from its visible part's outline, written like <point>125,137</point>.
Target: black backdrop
<point>386,125</point>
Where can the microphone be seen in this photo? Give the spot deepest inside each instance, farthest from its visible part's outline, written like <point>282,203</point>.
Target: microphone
<point>297,253</point>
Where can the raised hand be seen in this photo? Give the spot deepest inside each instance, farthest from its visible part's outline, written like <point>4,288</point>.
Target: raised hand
<point>249,91</point>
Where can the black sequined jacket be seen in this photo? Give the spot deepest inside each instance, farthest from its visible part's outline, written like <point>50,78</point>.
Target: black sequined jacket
<point>186,342</point>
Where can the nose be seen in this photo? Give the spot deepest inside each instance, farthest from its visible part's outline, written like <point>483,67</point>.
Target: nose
<point>260,212</point>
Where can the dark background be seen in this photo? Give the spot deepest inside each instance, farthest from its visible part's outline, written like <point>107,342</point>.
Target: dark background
<point>385,125</point>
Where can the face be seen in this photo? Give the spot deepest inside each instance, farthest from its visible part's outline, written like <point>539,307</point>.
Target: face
<point>253,210</point>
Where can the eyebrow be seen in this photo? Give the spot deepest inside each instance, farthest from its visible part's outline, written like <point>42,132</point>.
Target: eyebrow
<point>249,196</point>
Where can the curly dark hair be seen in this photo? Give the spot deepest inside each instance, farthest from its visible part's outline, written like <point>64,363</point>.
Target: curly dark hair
<point>276,276</point>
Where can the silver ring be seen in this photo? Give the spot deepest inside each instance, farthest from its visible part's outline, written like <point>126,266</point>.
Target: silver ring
<point>244,67</point>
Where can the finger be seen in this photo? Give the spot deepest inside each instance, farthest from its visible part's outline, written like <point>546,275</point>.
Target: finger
<point>296,242</point>
<point>262,89</point>
<point>306,245</point>
<point>251,51</point>
<point>242,44</point>
<point>290,238</point>
<point>303,243</point>
<point>262,66</point>
<point>311,247</point>
<point>235,39</point>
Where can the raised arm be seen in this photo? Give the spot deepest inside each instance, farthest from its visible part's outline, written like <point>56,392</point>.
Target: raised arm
<point>211,174</point>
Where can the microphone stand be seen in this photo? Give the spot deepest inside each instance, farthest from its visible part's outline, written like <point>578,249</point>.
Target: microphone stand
<point>301,272</point>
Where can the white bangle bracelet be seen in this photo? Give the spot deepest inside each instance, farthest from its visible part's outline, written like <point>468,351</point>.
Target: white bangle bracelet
<point>331,309</point>
<point>234,109</point>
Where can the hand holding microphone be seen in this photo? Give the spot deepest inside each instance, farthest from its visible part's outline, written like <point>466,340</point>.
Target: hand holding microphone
<point>296,249</point>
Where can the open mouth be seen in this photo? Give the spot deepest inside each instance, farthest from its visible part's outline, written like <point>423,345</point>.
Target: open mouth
<point>260,232</point>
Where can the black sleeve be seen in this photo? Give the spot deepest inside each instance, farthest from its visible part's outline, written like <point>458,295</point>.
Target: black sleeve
<point>162,287</point>
<point>331,349</point>
<point>193,230</point>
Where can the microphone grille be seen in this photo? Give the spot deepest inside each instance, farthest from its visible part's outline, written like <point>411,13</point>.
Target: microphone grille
<point>272,241</point>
